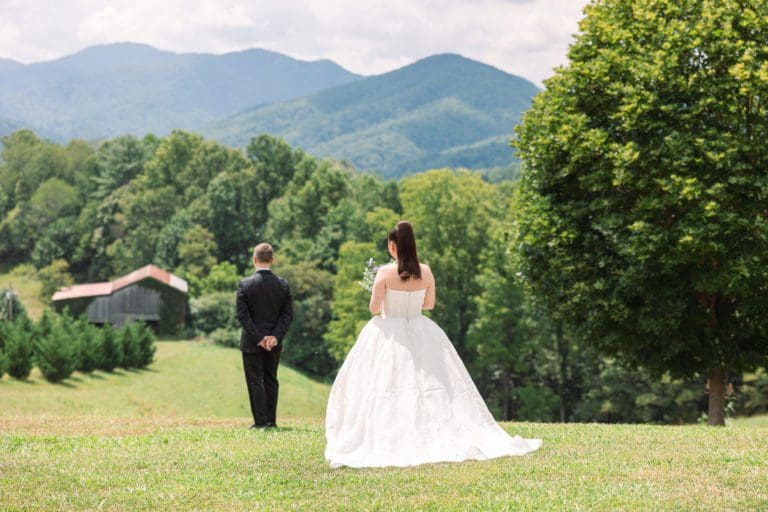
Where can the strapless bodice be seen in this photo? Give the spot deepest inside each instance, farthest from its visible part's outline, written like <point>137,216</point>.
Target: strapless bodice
<point>402,304</point>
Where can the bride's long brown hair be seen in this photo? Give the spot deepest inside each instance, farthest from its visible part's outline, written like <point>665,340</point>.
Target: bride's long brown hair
<point>407,259</point>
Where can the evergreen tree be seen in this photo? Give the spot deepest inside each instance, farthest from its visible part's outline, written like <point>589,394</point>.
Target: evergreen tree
<point>55,353</point>
<point>19,348</point>
<point>127,334</point>
<point>46,325</point>
<point>88,343</point>
<point>111,349</point>
<point>146,343</point>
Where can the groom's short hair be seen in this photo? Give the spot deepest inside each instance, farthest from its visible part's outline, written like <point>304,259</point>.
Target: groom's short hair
<point>263,253</point>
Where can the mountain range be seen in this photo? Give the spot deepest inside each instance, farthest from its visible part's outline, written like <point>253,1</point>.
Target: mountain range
<point>444,110</point>
<point>110,90</point>
<point>6,64</point>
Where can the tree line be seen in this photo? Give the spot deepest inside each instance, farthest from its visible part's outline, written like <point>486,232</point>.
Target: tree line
<point>89,212</point>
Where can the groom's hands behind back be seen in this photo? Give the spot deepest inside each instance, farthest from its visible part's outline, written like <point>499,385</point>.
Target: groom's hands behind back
<point>268,343</point>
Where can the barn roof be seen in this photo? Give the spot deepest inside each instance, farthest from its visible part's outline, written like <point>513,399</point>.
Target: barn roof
<point>79,291</point>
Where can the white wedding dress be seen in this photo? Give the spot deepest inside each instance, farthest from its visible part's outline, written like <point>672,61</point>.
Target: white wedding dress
<point>403,397</point>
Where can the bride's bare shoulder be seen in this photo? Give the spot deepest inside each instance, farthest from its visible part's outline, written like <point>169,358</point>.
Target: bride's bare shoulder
<point>425,270</point>
<point>388,269</point>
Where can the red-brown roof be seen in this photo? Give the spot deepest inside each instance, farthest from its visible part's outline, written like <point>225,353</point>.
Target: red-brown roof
<point>98,289</point>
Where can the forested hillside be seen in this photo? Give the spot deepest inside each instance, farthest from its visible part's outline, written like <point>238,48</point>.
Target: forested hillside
<point>82,212</point>
<point>127,88</point>
<point>444,110</point>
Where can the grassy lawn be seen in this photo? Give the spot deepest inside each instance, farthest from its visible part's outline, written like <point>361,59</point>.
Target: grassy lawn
<point>175,437</point>
<point>188,379</point>
<point>216,464</point>
<point>754,421</point>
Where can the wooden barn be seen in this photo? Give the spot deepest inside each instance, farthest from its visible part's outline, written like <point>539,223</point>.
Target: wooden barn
<point>150,294</point>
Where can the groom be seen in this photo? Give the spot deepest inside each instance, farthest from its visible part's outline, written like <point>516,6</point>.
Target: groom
<point>265,310</point>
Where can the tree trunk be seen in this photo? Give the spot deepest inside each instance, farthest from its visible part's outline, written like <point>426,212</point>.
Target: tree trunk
<point>717,396</point>
<point>562,351</point>
<point>506,389</point>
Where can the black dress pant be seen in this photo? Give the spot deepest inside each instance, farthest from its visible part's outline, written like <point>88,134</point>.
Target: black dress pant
<point>261,378</point>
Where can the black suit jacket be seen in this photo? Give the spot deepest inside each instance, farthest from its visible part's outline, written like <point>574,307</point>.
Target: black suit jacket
<point>264,308</point>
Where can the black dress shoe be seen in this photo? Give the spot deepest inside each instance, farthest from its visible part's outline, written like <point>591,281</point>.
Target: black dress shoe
<point>257,427</point>
<point>271,425</point>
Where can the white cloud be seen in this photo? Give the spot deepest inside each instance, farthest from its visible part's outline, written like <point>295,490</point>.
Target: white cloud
<point>524,37</point>
<point>10,35</point>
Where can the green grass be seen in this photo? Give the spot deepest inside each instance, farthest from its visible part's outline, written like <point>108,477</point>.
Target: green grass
<point>95,464</point>
<point>28,289</point>
<point>188,379</point>
<point>175,437</point>
<point>754,421</point>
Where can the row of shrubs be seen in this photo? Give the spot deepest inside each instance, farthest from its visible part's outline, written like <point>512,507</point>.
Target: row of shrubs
<point>59,345</point>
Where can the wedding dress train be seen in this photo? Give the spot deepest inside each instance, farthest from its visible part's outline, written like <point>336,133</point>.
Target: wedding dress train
<point>403,397</point>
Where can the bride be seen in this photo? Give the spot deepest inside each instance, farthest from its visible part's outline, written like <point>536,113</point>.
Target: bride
<point>403,397</point>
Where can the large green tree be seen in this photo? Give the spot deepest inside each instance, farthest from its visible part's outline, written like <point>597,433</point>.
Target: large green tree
<point>297,218</point>
<point>274,164</point>
<point>26,162</point>
<point>643,220</point>
<point>38,182</point>
<point>197,250</point>
<point>234,215</point>
<point>451,213</point>
<point>324,205</point>
<point>118,161</point>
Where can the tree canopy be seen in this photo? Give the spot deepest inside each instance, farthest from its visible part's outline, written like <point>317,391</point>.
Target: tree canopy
<point>196,208</point>
<point>642,218</point>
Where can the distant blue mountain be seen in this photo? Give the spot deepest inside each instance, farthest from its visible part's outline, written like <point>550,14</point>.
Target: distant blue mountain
<point>444,110</point>
<point>7,64</point>
<point>9,125</point>
<point>109,90</point>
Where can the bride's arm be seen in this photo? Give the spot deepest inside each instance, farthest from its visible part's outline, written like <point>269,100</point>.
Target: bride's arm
<point>429,296</point>
<point>377,293</point>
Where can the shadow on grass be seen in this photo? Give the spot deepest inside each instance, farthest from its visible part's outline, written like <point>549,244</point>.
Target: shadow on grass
<point>22,381</point>
<point>137,371</point>
<point>144,370</point>
<point>280,430</point>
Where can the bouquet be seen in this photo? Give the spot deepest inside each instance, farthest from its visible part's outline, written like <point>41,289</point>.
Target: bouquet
<point>369,274</point>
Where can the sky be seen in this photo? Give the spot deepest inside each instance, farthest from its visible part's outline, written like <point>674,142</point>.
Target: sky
<point>523,37</point>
